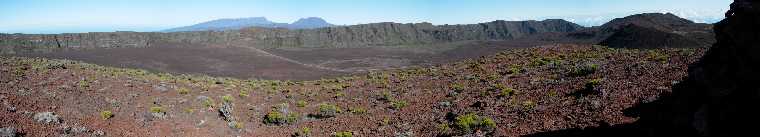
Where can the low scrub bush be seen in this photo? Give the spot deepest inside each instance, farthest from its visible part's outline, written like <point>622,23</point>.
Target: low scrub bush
<point>277,118</point>
<point>327,110</point>
<point>398,104</point>
<point>584,70</point>
<point>343,134</point>
<point>106,114</point>
<point>471,122</point>
<point>301,103</point>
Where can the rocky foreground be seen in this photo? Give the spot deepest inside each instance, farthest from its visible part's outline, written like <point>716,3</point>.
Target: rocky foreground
<point>513,93</point>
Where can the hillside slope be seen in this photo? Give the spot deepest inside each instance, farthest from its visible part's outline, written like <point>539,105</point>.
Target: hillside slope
<point>655,30</point>
<point>516,92</point>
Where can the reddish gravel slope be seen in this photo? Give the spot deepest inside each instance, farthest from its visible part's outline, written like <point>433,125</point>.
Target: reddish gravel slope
<point>515,92</point>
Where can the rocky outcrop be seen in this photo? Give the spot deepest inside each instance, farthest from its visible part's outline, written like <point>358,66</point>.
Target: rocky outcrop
<point>376,34</point>
<point>47,118</point>
<point>721,94</point>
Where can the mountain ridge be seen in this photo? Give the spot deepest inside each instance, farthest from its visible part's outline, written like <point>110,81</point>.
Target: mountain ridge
<point>383,34</point>
<point>375,34</point>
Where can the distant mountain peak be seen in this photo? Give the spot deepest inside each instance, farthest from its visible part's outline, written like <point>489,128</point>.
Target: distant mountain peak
<point>310,23</point>
<point>310,19</point>
<point>240,23</point>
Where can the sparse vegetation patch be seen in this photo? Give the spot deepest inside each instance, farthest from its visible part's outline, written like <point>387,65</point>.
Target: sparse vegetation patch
<point>106,115</point>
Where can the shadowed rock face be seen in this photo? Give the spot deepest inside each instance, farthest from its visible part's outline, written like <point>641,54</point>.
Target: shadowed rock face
<point>346,36</point>
<point>721,94</point>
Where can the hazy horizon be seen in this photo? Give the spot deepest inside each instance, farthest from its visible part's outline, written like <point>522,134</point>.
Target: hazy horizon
<point>51,16</point>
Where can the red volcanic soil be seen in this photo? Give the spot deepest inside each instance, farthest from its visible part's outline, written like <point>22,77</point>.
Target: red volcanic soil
<point>553,88</point>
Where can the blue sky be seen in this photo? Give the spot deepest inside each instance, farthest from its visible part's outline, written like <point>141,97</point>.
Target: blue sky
<point>59,16</point>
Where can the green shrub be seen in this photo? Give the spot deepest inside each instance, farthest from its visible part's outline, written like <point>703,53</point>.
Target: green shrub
<point>593,82</point>
<point>244,93</point>
<point>357,110</point>
<point>84,83</point>
<point>156,109</point>
<point>343,134</point>
<point>589,86</point>
<point>208,102</point>
<point>398,104</point>
<point>470,122</point>
<point>292,117</point>
<point>504,91</point>
<point>492,77</point>
<point>515,69</point>
<point>227,98</point>
<point>189,110</point>
<point>183,91</point>
<point>386,96</point>
<point>276,118</point>
<point>443,127</point>
<point>656,56</point>
<point>467,122</point>
<point>538,62</point>
<point>552,93</point>
<point>327,110</point>
<point>106,115</point>
<point>507,92</point>
<point>584,70</point>
<point>528,105</point>
<point>339,94</point>
<point>236,125</point>
<point>488,123</point>
<point>305,131</point>
<point>457,87</point>
<point>301,103</point>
